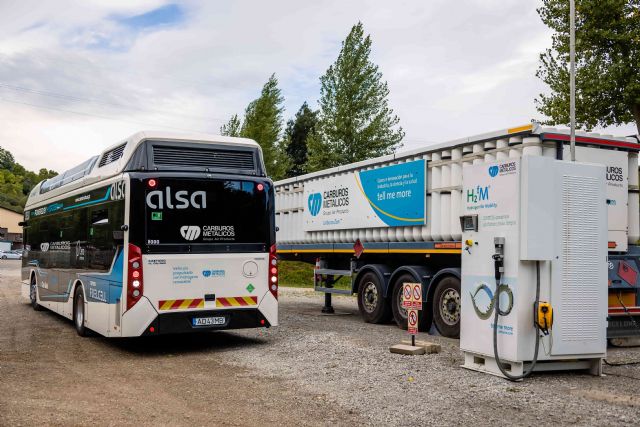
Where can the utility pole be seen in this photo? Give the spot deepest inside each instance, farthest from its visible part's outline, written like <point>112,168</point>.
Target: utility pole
<point>572,76</point>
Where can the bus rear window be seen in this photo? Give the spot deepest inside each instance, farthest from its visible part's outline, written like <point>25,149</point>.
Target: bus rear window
<point>197,212</point>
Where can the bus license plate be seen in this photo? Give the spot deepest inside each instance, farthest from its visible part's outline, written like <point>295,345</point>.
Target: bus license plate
<point>208,321</point>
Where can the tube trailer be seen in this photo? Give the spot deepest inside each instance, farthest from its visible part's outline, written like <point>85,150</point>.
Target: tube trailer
<point>397,219</point>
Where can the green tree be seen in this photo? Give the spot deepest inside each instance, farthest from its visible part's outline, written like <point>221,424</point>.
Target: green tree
<point>356,122</point>
<point>263,124</point>
<point>16,182</point>
<point>607,62</point>
<point>6,159</point>
<point>296,135</point>
<point>232,127</point>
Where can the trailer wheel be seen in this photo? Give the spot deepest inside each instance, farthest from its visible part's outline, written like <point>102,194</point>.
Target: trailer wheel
<point>78,312</point>
<point>372,304</point>
<point>446,307</point>
<point>399,312</point>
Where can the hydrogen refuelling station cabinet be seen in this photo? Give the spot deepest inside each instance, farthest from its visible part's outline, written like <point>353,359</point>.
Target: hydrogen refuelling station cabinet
<point>534,231</point>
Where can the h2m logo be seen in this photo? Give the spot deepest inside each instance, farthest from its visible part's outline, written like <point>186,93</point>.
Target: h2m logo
<point>478,194</point>
<point>190,232</point>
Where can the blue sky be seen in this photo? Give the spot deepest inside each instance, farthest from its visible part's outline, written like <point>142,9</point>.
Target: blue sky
<point>169,14</point>
<point>78,76</point>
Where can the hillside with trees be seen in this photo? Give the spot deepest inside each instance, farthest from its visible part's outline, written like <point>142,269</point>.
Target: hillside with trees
<point>16,181</point>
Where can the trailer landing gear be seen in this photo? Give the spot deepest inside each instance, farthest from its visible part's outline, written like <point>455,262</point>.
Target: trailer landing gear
<point>323,280</point>
<point>328,308</point>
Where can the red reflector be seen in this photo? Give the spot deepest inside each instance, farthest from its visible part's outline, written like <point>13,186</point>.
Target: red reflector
<point>152,329</point>
<point>358,248</point>
<point>612,245</point>
<point>260,187</point>
<point>152,183</point>
<point>627,273</point>
<point>262,321</point>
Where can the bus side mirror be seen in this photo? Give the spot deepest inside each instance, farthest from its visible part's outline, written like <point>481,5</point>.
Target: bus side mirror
<point>22,223</point>
<point>124,227</point>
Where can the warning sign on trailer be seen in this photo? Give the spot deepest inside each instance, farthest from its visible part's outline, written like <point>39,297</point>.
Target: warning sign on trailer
<point>412,296</point>
<point>407,295</point>
<point>417,295</point>
<point>412,321</point>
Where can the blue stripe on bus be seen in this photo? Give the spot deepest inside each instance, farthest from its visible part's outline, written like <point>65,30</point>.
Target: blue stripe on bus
<point>105,287</point>
<point>91,202</point>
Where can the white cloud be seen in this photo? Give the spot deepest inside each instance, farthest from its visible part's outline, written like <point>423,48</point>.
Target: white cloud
<point>453,68</point>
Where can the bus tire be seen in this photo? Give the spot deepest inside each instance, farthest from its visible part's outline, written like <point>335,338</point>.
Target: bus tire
<point>399,312</point>
<point>372,304</point>
<point>78,312</point>
<point>446,307</point>
<point>33,293</point>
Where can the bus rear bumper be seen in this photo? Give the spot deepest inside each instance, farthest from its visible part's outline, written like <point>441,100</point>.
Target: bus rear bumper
<point>184,322</point>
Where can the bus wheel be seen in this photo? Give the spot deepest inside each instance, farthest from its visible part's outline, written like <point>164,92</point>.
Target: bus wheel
<point>371,301</point>
<point>78,312</point>
<point>446,307</point>
<point>399,312</point>
<point>33,294</point>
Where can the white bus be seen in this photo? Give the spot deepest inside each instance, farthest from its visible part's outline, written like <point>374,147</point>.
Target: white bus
<point>161,233</point>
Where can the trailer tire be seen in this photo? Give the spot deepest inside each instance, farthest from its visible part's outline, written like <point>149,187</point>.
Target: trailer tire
<point>399,312</point>
<point>446,307</point>
<point>372,304</point>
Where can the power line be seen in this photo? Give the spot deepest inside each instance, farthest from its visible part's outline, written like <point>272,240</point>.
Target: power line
<point>100,116</point>
<point>97,101</point>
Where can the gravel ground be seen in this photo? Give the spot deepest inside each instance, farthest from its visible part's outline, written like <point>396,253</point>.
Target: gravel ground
<point>314,369</point>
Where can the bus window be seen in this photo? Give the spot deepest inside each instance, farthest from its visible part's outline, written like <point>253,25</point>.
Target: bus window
<point>207,215</point>
<point>100,217</point>
<point>101,247</point>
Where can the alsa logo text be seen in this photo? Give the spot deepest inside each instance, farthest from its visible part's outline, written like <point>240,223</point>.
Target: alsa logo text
<point>117,190</point>
<point>159,200</point>
<point>478,194</point>
<point>190,232</point>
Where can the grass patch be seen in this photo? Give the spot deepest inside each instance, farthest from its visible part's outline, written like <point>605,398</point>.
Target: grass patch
<point>300,275</point>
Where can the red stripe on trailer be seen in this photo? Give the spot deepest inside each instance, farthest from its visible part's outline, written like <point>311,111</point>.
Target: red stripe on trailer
<point>241,301</point>
<point>224,302</point>
<point>621,310</point>
<point>590,140</point>
<point>176,304</point>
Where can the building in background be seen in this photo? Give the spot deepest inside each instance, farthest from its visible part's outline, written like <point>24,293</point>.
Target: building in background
<point>10,231</point>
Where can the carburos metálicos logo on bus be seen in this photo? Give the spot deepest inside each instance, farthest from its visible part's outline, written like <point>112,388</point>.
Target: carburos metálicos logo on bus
<point>190,232</point>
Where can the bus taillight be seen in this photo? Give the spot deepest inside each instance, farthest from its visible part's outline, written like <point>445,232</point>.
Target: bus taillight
<point>273,271</point>
<point>135,286</point>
